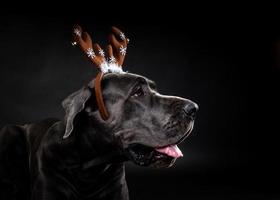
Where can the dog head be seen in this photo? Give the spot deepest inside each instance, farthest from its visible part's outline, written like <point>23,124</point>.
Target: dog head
<point>145,125</point>
<point>128,111</point>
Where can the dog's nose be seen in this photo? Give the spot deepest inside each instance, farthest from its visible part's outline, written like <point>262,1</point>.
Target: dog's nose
<point>191,109</point>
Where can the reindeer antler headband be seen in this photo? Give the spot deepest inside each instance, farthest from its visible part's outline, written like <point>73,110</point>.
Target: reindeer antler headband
<point>116,51</point>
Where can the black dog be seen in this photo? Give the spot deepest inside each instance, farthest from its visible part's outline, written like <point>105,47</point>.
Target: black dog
<point>37,163</point>
<point>82,157</point>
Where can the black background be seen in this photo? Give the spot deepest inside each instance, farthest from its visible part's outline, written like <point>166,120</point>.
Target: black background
<point>226,61</point>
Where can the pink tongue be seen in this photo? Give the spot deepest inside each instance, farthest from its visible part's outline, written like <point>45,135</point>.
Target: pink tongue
<point>171,150</point>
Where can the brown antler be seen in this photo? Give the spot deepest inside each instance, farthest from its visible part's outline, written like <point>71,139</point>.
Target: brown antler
<point>94,53</point>
<point>116,51</point>
<point>117,47</point>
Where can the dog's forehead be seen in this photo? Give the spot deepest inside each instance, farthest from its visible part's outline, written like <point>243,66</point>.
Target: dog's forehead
<point>125,79</point>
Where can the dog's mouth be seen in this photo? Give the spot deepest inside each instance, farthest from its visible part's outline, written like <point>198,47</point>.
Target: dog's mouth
<point>155,157</point>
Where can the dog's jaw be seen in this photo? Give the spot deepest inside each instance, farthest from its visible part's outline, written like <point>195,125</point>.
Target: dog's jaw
<point>158,156</point>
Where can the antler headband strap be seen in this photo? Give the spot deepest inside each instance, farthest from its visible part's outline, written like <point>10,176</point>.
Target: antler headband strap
<point>116,52</point>
<point>99,97</point>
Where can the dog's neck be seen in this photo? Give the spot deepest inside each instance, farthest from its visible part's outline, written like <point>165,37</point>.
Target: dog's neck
<point>96,144</point>
<point>101,164</point>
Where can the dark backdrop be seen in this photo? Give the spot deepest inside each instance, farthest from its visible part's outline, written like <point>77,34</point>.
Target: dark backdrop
<point>226,63</point>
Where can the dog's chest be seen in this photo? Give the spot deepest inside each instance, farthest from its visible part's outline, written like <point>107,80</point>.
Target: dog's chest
<point>100,182</point>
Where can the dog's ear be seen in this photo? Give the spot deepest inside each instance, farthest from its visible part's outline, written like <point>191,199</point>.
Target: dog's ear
<point>73,105</point>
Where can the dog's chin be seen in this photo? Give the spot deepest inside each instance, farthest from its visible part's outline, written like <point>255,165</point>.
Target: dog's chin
<point>148,156</point>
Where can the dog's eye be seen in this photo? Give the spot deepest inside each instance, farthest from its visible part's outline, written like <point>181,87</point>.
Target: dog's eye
<point>138,91</point>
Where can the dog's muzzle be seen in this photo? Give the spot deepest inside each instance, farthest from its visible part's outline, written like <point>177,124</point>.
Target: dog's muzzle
<point>165,156</point>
